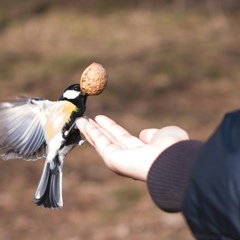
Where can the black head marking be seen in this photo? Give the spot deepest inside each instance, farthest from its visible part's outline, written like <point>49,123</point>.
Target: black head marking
<point>74,95</point>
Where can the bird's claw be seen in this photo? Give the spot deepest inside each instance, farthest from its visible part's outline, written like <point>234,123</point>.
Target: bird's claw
<point>81,142</point>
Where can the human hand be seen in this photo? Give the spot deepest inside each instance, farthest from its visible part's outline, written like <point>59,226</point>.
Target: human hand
<point>124,153</point>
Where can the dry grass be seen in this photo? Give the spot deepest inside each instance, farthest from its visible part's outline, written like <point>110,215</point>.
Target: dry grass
<point>165,67</point>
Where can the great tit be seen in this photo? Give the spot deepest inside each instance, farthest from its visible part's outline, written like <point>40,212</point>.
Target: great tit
<point>33,128</point>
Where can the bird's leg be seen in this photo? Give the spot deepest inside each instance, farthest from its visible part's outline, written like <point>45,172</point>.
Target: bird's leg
<point>67,132</point>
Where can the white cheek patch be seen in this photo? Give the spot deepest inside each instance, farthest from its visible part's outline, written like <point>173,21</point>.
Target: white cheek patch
<point>71,94</point>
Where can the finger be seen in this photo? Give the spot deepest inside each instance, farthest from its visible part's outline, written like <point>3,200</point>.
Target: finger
<point>87,128</point>
<point>96,136</point>
<point>81,124</point>
<point>121,135</point>
<point>106,133</point>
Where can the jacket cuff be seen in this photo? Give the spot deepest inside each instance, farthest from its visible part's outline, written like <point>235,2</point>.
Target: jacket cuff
<point>168,176</point>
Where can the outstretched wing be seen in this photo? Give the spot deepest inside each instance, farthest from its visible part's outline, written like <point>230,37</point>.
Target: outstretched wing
<point>21,128</point>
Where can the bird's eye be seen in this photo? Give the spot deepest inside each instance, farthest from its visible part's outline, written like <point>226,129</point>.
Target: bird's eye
<point>76,88</point>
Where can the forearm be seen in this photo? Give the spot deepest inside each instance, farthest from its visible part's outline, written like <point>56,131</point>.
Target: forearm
<point>169,175</point>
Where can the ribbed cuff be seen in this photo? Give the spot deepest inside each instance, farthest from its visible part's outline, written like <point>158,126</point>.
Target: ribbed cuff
<point>168,177</point>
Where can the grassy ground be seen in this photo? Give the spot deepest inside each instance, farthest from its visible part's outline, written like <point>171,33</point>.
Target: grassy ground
<point>165,67</point>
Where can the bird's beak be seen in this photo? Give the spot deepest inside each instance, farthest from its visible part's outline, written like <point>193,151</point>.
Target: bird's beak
<point>83,94</point>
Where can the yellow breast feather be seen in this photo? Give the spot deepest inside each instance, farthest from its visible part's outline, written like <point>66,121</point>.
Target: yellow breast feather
<point>58,116</point>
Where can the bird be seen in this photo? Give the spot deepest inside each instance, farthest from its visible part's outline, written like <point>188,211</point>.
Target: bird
<point>36,128</point>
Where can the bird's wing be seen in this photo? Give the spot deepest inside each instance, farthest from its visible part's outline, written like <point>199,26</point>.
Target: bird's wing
<point>21,128</point>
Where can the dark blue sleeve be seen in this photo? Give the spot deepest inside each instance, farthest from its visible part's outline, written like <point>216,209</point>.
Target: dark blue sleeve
<point>169,175</point>
<point>211,204</point>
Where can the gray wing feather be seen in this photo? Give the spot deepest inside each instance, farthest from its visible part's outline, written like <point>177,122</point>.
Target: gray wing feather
<point>22,128</point>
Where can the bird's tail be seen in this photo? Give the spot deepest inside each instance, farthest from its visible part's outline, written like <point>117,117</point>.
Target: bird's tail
<point>49,190</point>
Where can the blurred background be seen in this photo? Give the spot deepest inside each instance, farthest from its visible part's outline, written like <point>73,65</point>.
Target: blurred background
<point>170,62</point>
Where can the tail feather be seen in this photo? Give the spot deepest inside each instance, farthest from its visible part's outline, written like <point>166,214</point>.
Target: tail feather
<point>49,190</point>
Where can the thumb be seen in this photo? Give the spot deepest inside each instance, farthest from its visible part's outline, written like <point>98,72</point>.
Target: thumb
<point>146,135</point>
<point>167,134</point>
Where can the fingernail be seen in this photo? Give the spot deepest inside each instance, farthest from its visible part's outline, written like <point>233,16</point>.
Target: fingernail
<point>86,117</point>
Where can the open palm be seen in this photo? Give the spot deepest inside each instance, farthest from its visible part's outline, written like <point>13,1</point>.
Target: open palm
<point>124,153</point>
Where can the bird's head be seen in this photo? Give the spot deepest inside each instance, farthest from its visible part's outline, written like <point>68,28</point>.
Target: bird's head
<point>74,95</point>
